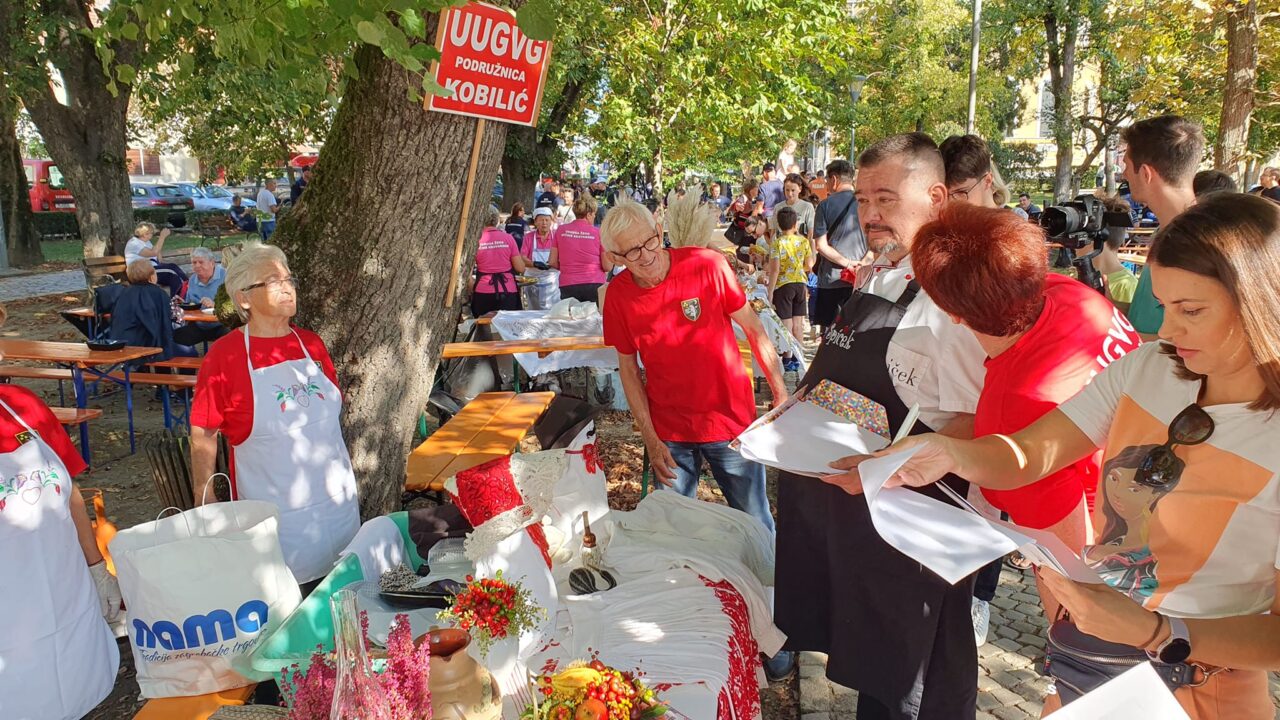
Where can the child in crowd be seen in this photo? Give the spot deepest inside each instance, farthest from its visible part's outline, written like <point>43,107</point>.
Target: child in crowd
<point>790,260</point>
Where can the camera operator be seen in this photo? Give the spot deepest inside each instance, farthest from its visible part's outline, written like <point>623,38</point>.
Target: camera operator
<point>1118,280</point>
<point>1160,159</point>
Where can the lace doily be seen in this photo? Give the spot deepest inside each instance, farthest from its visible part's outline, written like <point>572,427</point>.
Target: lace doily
<point>503,496</point>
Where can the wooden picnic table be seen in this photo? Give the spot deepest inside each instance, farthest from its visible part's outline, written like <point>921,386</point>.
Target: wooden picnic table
<point>77,357</point>
<point>489,427</point>
<point>541,346</point>
<point>1135,258</point>
<point>188,315</point>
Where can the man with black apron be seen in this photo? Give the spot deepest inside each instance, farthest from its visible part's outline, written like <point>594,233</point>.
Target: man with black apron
<point>893,630</point>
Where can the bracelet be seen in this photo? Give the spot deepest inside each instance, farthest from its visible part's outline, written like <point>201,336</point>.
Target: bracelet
<point>1156,633</point>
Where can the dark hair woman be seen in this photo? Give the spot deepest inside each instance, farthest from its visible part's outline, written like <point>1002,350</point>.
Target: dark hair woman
<point>1200,509</point>
<point>794,193</point>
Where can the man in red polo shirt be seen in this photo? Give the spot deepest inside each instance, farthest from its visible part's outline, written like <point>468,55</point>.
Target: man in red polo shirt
<point>673,309</point>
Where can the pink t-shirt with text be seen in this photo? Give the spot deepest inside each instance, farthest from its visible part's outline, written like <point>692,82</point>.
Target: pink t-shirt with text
<point>494,256</point>
<point>580,253</point>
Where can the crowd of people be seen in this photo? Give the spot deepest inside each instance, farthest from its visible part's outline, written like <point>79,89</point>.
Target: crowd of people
<point>1132,421</point>
<point>1107,415</point>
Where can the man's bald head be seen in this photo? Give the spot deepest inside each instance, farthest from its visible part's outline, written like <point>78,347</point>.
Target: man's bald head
<point>917,152</point>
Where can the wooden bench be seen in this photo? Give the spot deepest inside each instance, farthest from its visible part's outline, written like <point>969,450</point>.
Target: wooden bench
<point>199,707</point>
<point>9,372</point>
<point>217,227</point>
<point>489,427</point>
<point>165,381</point>
<point>181,363</point>
<point>75,417</point>
<point>107,265</point>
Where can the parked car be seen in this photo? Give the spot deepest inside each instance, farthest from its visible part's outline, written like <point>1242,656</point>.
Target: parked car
<point>212,197</point>
<point>164,197</point>
<point>47,190</point>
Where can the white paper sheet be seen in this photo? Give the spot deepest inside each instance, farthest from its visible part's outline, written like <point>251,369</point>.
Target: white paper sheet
<point>805,439</point>
<point>951,541</point>
<point>1136,694</point>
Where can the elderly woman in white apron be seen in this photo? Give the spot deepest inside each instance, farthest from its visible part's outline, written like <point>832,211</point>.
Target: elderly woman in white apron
<point>58,658</point>
<point>272,390</point>
<point>537,250</point>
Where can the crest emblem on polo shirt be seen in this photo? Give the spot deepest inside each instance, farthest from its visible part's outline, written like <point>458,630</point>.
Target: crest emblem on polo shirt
<point>692,309</point>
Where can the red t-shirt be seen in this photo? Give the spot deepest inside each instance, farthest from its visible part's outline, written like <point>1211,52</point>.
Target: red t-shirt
<point>1078,333</point>
<point>494,256</point>
<point>695,380</point>
<point>222,399</point>
<point>579,255</point>
<point>38,415</point>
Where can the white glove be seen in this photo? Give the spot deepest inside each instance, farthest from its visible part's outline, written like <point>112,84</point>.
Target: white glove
<point>108,590</point>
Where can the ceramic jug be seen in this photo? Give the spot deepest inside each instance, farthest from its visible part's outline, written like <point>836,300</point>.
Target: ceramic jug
<point>461,689</point>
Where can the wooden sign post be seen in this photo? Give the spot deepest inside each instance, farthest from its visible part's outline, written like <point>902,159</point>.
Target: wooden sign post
<point>493,72</point>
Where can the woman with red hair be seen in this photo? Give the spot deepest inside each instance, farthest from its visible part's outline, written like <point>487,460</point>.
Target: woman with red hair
<point>1045,335</point>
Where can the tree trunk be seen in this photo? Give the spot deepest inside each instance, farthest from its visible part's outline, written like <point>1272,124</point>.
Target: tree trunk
<point>657,172</point>
<point>1061,42</point>
<point>1238,97</point>
<point>519,177</point>
<point>374,265</point>
<point>522,165</point>
<point>15,199</point>
<point>86,136</point>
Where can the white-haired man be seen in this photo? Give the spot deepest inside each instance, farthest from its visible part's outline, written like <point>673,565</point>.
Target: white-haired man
<point>671,309</point>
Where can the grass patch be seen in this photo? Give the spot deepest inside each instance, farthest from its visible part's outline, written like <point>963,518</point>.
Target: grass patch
<point>72,251</point>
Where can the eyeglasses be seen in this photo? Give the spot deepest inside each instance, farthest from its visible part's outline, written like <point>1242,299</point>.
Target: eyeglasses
<point>1192,426</point>
<point>652,244</point>
<point>274,285</point>
<point>964,194</point>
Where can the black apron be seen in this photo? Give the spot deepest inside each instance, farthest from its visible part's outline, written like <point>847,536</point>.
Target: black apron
<point>892,628</point>
<point>506,291</point>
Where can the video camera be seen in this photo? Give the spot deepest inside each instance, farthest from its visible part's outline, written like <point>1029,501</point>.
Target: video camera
<point>1076,225</point>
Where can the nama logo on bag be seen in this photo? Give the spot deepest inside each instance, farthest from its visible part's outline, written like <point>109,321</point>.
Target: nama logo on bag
<point>216,633</point>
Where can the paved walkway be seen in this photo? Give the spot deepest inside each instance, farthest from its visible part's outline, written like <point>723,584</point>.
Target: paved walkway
<point>66,282</point>
<point>1010,686</point>
<point>34,285</point>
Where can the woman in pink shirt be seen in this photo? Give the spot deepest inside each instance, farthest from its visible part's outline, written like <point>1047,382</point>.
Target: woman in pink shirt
<point>577,253</point>
<point>498,260</point>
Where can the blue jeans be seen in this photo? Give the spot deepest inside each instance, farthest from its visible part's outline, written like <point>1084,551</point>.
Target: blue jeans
<point>741,480</point>
<point>266,228</point>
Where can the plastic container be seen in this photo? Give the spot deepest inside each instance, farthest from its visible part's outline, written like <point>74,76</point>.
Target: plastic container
<point>311,625</point>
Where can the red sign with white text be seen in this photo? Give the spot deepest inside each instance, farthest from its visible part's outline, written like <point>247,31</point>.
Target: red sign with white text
<point>493,70</point>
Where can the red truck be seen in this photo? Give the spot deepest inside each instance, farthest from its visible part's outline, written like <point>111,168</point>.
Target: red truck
<point>48,191</point>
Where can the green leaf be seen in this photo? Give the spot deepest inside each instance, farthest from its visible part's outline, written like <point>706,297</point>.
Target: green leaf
<point>369,32</point>
<point>413,23</point>
<point>126,73</point>
<point>537,19</point>
<point>129,30</point>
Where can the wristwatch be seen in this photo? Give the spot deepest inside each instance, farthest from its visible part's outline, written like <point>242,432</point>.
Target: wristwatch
<point>1177,647</point>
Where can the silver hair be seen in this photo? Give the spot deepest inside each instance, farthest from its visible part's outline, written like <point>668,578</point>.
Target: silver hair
<point>247,268</point>
<point>622,216</point>
<point>203,252</point>
<point>491,216</point>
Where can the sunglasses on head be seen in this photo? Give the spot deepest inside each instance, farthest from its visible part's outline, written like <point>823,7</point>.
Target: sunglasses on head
<point>1192,426</point>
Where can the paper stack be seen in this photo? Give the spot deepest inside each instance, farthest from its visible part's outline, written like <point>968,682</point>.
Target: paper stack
<point>954,541</point>
<point>811,430</point>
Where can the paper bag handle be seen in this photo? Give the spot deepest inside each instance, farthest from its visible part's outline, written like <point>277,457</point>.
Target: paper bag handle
<point>181,514</point>
<point>204,495</point>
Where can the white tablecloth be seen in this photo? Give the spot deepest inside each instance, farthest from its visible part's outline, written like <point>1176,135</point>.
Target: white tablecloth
<point>534,325</point>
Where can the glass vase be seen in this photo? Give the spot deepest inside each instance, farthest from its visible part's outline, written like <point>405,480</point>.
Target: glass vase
<point>357,695</point>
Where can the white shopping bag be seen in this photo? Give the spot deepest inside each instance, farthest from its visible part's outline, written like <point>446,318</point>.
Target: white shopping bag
<point>202,589</point>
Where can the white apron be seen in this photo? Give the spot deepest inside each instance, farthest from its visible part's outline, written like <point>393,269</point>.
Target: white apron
<point>296,458</point>
<point>546,292</point>
<point>58,658</point>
